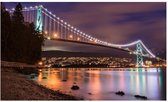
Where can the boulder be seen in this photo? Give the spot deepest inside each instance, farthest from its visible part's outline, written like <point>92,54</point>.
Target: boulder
<point>142,97</point>
<point>120,93</point>
<point>75,87</point>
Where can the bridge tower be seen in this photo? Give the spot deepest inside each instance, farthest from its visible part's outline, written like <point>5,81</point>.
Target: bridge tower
<point>39,19</point>
<point>139,55</point>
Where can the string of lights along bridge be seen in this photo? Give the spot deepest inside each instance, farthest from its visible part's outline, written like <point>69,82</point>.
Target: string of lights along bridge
<point>55,28</point>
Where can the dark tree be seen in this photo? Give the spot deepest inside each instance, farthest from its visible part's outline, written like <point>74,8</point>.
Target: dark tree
<point>5,33</point>
<point>18,29</point>
<point>20,41</point>
<point>17,16</point>
<point>34,41</point>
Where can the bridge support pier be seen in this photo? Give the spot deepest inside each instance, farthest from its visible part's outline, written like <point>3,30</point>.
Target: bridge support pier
<point>139,55</point>
<point>39,19</point>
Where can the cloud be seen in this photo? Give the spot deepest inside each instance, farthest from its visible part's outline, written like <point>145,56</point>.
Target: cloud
<point>120,22</point>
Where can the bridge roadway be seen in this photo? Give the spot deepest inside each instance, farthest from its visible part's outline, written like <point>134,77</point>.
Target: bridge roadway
<point>88,43</point>
<point>95,44</point>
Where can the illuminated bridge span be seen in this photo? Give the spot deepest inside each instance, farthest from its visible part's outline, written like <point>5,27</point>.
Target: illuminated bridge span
<point>55,28</point>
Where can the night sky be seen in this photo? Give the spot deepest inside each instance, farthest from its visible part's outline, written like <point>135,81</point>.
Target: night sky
<point>113,22</point>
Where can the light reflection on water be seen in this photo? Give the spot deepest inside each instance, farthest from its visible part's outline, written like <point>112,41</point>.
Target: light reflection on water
<point>102,83</point>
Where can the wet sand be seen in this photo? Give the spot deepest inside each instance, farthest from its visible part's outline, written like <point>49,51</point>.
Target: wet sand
<point>15,86</point>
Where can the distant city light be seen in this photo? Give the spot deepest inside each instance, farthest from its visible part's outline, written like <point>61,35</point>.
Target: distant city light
<point>46,32</point>
<point>48,38</point>
<point>40,63</point>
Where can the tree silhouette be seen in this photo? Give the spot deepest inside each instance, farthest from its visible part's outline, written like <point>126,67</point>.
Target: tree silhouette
<point>20,41</point>
<point>5,32</point>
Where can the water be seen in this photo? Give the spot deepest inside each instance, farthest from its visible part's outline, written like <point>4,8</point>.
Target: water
<point>102,83</point>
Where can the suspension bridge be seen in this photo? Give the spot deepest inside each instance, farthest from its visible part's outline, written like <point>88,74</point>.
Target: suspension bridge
<point>55,28</point>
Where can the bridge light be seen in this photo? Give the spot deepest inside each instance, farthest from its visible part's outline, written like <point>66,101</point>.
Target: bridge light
<point>61,20</point>
<point>41,5</point>
<point>36,6</point>
<point>71,36</point>
<point>65,23</point>
<point>25,8</point>
<point>78,38</point>
<point>58,18</point>
<point>31,7</point>
<point>55,35</point>
<point>6,9</point>
<point>13,8</point>
<point>95,40</point>
<point>69,25</point>
<point>54,15</point>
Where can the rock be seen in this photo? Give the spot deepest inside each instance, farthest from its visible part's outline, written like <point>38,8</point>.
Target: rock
<point>90,93</point>
<point>64,80</point>
<point>31,77</point>
<point>120,93</point>
<point>75,87</point>
<point>142,97</point>
<point>44,77</point>
<point>74,82</point>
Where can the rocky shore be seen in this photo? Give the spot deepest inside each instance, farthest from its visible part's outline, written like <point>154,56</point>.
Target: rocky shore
<point>15,86</point>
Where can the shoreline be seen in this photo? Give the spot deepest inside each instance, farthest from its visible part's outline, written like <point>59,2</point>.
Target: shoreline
<point>15,86</point>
